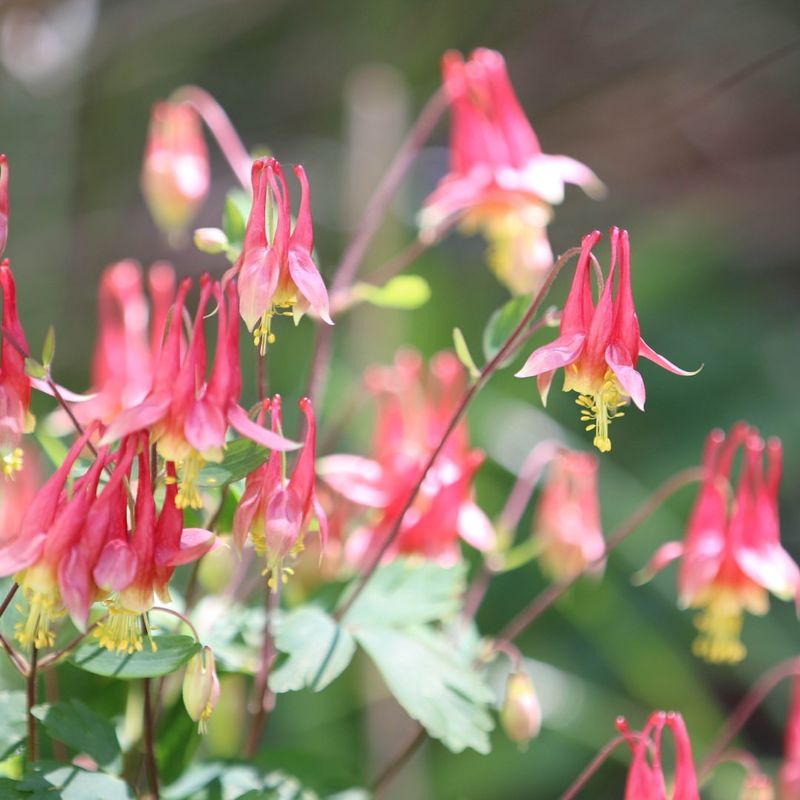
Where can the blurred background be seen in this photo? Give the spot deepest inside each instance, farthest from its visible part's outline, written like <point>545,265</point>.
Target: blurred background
<point>689,112</point>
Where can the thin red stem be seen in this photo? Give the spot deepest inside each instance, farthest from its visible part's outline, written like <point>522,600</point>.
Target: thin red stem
<point>8,598</point>
<point>594,765</point>
<point>381,783</point>
<point>30,697</point>
<point>150,741</point>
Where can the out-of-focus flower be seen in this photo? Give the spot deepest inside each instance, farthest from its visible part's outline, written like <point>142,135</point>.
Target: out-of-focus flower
<point>201,687</point>
<point>645,775</point>
<point>567,523</point>
<point>15,385</point>
<point>16,496</point>
<point>500,182</point>
<point>598,346</point>
<point>790,768</point>
<point>757,786</point>
<point>187,414</point>
<point>175,171</point>
<point>210,240</point>
<point>127,346</point>
<point>3,202</point>
<point>412,416</point>
<point>278,276</point>
<point>277,511</point>
<point>521,714</point>
<point>731,556</point>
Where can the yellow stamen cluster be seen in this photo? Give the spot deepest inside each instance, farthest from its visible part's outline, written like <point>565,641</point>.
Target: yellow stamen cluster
<point>11,462</point>
<point>188,472</point>
<point>122,630</point>
<point>262,333</point>
<point>601,409</point>
<point>44,608</point>
<point>720,626</point>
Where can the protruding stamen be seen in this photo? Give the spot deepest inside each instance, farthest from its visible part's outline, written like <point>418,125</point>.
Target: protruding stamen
<point>44,608</point>
<point>601,409</point>
<point>720,626</point>
<point>188,473</point>
<point>12,463</point>
<point>122,630</point>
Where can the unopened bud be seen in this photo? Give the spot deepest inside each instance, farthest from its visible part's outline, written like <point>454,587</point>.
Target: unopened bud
<point>521,714</point>
<point>757,786</point>
<point>201,687</point>
<point>210,240</point>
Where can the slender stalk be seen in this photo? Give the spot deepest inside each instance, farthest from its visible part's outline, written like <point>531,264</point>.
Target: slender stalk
<point>592,768</point>
<point>8,598</point>
<point>30,698</point>
<point>546,598</point>
<point>52,659</point>
<point>221,129</point>
<point>150,742</point>
<point>486,373</point>
<point>16,659</point>
<point>383,780</point>
<point>53,695</point>
<point>749,703</point>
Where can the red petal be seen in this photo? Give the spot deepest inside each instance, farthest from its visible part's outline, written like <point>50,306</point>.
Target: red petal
<point>240,422</point>
<point>560,353</point>
<point>645,351</point>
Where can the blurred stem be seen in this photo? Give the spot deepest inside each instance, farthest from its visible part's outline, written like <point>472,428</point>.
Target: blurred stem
<point>489,369</point>
<point>381,783</point>
<point>150,741</point>
<point>53,695</point>
<point>262,696</point>
<point>546,598</point>
<point>592,767</point>
<point>370,222</point>
<point>749,703</point>
<point>8,598</point>
<point>30,701</point>
<point>51,660</point>
<point>221,127</point>
<point>16,659</point>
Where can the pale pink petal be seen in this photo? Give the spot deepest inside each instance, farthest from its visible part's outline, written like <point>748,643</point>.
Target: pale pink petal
<point>116,567</point>
<point>560,353</point>
<point>309,282</point>
<point>75,587</point>
<point>665,555</point>
<point>475,528</point>
<point>631,381</point>
<point>257,282</point>
<point>205,426</point>
<point>772,568</point>
<point>138,418</point>
<point>195,542</point>
<point>356,478</point>
<point>17,554</point>
<point>245,512</point>
<point>545,175</point>
<point>543,383</point>
<point>240,422</point>
<point>645,351</point>
<point>66,394</point>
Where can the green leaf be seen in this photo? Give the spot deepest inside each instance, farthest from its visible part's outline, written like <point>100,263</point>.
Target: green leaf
<point>13,726</point>
<point>234,216</point>
<point>172,652</point>
<point>405,292</point>
<point>463,353</point>
<point>34,369</point>
<point>407,592</point>
<point>318,650</point>
<point>49,348</point>
<point>76,725</point>
<point>444,694</point>
<point>502,324</point>
<point>68,782</point>
<point>241,457</point>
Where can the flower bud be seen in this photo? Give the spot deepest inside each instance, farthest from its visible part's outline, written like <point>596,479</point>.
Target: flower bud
<point>757,786</point>
<point>210,240</point>
<point>521,714</point>
<point>201,688</point>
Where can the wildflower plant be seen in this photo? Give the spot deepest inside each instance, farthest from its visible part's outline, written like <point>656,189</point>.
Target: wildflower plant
<point>181,530</point>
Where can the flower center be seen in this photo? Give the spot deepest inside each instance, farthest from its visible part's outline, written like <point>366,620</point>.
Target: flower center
<point>123,631</point>
<point>262,333</point>
<point>44,608</point>
<point>720,626</point>
<point>188,472</point>
<point>11,462</point>
<point>601,408</point>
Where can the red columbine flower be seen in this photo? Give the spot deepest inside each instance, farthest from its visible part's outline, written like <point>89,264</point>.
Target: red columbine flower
<point>731,556</point>
<point>188,415</point>
<point>175,172</point>
<point>277,511</point>
<point>413,414</point>
<point>278,276</point>
<point>790,768</point>
<point>3,202</point>
<point>567,522</point>
<point>15,385</point>
<point>646,774</point>
<point>600,345</point>
<point>500,182</point>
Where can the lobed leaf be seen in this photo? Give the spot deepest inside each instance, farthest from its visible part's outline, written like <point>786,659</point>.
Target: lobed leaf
<point>241,457</point>
<point>502,324</point>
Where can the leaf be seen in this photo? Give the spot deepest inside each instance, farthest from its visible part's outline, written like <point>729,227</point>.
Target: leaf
<point>49,347</point>
<point>502,324</point>
<point>318,650</point>
<point>241,457</point>
<point>172,652</point>
<point>234,216</point>
<point>76,725</point>
<point>463,353</point>
<point>407,592</point>
<point>436,688</point>
<point>405,292</point>
<point>68,782</point>
<point>33,369</point>
<point>13,727</point>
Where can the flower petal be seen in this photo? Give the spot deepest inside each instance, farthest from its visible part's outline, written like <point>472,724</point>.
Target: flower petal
<point>355,478</point>
<point>138,418</point>
<point>631,381</point>
<point>645,351</point>
<point>560,353</point>
<point>475,528</point>
<point>309,282</point>
<point>195,542</point>
<point>241,423</point>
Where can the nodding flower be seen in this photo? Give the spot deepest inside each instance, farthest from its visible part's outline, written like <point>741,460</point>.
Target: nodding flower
<point>276,511</point>
<point>187,413</point>
<point>3,202</point>
<point>599,345</point>
<point>201,688</point>
<point>500,182</point>
<point>413,413</point>
<point>15,385</point>
<point>731,557</point>
<point>276,269</point>
<point>646,775</point>
<point>175,171</point>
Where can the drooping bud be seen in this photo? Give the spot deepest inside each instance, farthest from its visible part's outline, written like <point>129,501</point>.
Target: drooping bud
<point>210,240</point>
<point>757,786</point>
<point>521,714</point>
<point>175,173</point>
<point>201,688</point>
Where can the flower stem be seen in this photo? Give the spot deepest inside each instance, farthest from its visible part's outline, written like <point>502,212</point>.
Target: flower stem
<point>30,702</point>
<point>488,370</point>
<point>16,659</point>
<point>54,658</point>
<point>388,774</point>
<point>545,599</point>
<point>592,768</point>
<point>150,741</point>
<point>8,598</point>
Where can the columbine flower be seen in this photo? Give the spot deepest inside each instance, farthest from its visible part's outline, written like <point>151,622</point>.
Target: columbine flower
<point>201,688</point>
<point>500,182</point>
<point>413,415</point>
<point>3,202</point>
<point>521,714</point>
<point>790,768</point>
<point>175,172</point>
<point>567,522</point>
<point>645,775</point>
<point>731,556</point>
<point>188,415</point>
<point>277,511</point>
<point>599,346</point>
<point>15,385</point>
<point>278,276</point>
